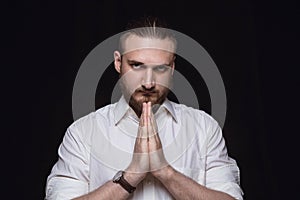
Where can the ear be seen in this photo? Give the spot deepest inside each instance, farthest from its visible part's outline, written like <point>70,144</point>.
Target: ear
<point>173,65</point>
<point>117,61</point>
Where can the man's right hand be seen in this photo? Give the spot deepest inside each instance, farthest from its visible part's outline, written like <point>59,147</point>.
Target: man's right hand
<point>139,166</point>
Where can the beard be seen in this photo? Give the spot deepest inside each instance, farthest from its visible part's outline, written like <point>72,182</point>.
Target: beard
<point>138,98</point>
<point>141,95</point>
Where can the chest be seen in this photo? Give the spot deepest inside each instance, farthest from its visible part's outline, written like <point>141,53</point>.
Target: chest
<point>112,150</point>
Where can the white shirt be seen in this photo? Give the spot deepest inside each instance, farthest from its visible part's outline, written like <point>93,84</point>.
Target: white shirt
<point>101,143</point>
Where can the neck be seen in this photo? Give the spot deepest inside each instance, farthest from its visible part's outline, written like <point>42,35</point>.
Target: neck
<point>137,108</point>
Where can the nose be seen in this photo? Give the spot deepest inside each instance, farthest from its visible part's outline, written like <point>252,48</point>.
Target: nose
<point>149,79</point>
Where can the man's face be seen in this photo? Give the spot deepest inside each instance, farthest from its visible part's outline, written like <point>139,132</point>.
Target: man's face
<point>145,71</point>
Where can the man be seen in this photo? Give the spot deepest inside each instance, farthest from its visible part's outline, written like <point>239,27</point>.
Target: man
<point>144,146</point>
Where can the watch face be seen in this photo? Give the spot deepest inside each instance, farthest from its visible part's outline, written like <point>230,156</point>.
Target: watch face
<point>117,176</point>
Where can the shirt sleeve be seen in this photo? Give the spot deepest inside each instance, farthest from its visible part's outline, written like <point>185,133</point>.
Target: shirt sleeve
<point>69,176</point>
<point>222,172</point>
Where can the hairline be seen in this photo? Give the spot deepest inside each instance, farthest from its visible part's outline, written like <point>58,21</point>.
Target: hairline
<point>150,33</point>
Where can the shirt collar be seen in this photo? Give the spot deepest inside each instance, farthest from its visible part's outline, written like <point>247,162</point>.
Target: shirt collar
<point>122,107</point>
<point>170,108</point>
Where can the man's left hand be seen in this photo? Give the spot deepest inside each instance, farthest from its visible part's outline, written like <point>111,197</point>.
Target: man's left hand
<point>157,159</point>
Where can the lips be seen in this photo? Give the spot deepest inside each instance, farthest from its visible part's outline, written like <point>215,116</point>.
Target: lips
<point>147,93</point>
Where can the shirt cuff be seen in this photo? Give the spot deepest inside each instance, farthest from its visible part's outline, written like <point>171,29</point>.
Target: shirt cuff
<point>228,183</point>
<point>62,188</point>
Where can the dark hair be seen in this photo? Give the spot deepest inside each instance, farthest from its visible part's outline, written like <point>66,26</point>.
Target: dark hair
<point>148,27</point>
<point>147,21</point>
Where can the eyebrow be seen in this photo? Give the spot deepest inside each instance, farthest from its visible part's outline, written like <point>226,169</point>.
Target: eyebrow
<point>134,62</point>
<point>141,63</point>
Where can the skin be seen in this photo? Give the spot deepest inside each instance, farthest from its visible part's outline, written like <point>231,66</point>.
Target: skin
<point>142,88</point>
<point>145,75</point>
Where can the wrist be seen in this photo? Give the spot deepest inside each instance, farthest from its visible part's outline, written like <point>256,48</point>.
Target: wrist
<point>119,179</point>
<point>164,173</point>
<point>134,178</point>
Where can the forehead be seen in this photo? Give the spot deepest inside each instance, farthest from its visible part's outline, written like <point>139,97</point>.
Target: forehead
<point>150,56</point>
<point>148,50</point>
<point>134,42</point>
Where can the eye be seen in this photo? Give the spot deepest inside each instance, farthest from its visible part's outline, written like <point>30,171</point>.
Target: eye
<point>161,68</point>
<point>137,66</point>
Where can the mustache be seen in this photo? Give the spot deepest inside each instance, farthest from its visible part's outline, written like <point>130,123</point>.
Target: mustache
<point>150,90</point>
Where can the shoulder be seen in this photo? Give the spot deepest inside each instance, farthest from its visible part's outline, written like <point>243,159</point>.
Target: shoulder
<point>191,114</point>
<point>86,125</point>
<point>101,114</point>
<point>183,110</point>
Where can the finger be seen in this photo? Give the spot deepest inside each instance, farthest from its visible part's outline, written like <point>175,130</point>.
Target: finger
<point>154,139</point>
<point>142,128</point>
<point>153,124</point>
<point>142,132</point>
<point>149,109</point>
<point>152,121</point>
<point>145,113</point>
<point>149,129</point>
<point>144,117</point>
<point>142,121</point>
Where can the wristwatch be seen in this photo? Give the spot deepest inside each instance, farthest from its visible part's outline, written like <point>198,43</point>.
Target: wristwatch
<point>119,178</point>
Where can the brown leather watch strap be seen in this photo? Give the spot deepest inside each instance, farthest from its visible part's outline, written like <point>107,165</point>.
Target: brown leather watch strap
<point>126,185</point>
<point>119,178</point>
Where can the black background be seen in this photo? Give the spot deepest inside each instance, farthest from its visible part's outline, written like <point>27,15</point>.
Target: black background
<point>255,45</point>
